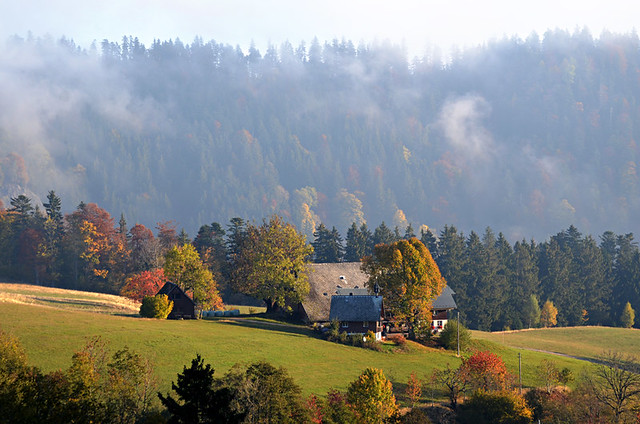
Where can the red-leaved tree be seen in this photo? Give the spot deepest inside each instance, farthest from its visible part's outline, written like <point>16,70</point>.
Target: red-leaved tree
<point>485,370</point>
<point>146,283</point>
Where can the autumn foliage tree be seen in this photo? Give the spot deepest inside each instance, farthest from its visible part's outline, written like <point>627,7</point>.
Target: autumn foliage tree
<point>97,254</point>
<point>485,370</point>
<point>371,396</point>
<point>271,264</point>
<point>414,389</point>
<point>145,283</point>
<point>408,278</point>
<point>548,314</point>
<point>184,268</point>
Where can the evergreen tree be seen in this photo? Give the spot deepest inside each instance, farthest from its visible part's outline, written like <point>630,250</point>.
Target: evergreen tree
<point>428,239</point>
<point>327,245</point>
<point>53,208</point>
<point>452,263</point>
<point>383,235</point>
<point>358,243</point>
<point>197,399</point>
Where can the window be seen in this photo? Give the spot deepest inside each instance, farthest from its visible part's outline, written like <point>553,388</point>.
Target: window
<point>345,325</point>
<point>365,324</point>
<point>439,324</point>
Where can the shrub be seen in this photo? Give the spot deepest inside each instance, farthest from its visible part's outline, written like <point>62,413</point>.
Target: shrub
<point>158,306</point>
<point>449,336</point>
<point>495,407</point>
<point>398,339</point>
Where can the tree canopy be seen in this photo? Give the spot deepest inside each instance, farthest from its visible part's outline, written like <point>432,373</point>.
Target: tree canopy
<point>408,279</point>
<point>271,264</point>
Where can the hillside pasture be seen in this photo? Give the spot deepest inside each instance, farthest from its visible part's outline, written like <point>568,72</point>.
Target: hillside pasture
<point>51,334</point>
<point>589,342</point>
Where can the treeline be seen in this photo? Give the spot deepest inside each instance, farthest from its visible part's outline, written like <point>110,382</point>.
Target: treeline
<point>530,135</point>
<point>498,285</point>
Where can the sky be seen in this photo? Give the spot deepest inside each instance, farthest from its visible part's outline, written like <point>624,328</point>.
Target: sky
<point>416,24</point>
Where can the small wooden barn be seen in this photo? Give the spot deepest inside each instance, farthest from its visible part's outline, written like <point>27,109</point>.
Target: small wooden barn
<point>184,306</point>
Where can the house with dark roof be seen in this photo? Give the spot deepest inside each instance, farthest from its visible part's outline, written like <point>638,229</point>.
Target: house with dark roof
<point>184,306</point>
<point>358,314</point>
<point>347,278</point>
<point>440,309</point>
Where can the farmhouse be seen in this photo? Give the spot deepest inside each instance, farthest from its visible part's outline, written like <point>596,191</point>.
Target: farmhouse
<point>358,314</point>
<point>440,309</point>
<point>344,279</point>
<point>183,305</point>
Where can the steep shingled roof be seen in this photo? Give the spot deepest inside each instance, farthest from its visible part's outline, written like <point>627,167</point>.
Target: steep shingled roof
<point>324,282</point>
<point>445,300</point>
<point>356,308</point>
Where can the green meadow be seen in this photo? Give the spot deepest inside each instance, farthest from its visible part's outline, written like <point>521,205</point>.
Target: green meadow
<point>584,342</point>
<point>51,333</point>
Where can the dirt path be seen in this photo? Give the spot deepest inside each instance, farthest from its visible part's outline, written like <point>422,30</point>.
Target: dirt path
<point>564,355</point>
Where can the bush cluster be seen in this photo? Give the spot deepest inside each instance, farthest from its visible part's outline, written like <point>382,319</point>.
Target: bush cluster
<point>158,306</point>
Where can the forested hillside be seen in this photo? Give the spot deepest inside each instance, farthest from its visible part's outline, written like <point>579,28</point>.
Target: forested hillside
<point>525,136</point>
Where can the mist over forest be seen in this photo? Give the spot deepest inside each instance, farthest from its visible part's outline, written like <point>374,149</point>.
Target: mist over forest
<point>525,136</point>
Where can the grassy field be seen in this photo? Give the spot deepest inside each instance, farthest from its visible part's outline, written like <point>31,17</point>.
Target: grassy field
<point>51,332</point>
<point>585,342</point>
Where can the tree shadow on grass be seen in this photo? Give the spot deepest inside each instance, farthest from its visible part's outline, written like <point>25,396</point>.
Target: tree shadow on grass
<point>269,326</point>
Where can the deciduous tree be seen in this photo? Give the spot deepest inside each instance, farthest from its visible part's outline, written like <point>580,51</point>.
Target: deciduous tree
<point>485,370</point>
<point>409,280</point>
<point>371,396</point>
<point>272,266</point>
<point>548,314</point>
<point>628,316</point>
<point>146,283</point>
<point>184,268</point>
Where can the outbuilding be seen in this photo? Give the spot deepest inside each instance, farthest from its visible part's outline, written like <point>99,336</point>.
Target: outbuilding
<point>184,306</point>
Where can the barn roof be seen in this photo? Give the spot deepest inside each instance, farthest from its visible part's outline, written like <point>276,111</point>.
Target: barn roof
<point>170,287</point>
<point>356,308</point>
<point>325,281</point>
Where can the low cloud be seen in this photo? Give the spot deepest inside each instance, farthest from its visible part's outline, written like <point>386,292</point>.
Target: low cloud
<point>461,121</point>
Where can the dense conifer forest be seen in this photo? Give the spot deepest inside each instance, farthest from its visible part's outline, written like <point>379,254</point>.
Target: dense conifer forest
<point>525,136</point>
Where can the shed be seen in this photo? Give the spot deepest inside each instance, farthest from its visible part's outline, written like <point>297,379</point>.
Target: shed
<point>184,306</point>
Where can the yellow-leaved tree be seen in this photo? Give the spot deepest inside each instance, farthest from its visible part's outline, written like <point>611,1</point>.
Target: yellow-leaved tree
<point>548,314</point>
<point>371,396</point>
<point>408,279</point>
<point>184,268</point>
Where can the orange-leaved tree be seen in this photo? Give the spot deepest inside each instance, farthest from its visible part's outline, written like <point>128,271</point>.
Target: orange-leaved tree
<point>485,370</point>
<point>145,283</point>
<point>409,280</point>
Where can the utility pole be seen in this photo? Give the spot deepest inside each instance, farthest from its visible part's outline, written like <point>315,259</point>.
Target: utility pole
<point>520,371</point>
<point>458,328</point>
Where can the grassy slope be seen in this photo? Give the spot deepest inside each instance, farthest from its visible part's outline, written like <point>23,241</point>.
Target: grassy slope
<point>51,335</point>
<point>586,342</point>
